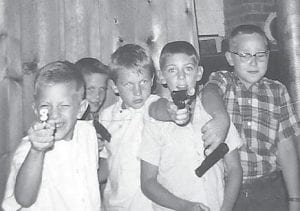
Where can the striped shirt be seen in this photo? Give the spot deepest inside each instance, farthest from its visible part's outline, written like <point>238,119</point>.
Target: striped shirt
<point>263,115</point>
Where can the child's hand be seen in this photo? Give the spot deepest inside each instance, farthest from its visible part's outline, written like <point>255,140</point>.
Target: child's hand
<point>179,116</point>
<point>193,206</point>
<point>215,132</point>
<point>41,136</point>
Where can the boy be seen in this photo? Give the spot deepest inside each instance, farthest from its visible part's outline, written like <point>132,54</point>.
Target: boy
<point>131,73</point>
<point>262,112</point>
<point>55,166</point>
<point>95,75</point>
<point>170,153</point>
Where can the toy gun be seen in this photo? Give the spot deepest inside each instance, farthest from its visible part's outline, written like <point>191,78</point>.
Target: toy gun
<point>44,116</point>
<point>211,159</point>
<point>100,129</point>
<point>179,98</point>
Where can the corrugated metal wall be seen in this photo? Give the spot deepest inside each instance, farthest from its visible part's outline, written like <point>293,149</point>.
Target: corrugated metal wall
<point>35,32</point>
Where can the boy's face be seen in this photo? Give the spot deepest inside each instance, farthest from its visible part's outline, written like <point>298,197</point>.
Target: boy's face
<point>96,85</point>
<point>253,69</point>
<point>180,72</point>
<point>64,105</point>
<point>133,87</point>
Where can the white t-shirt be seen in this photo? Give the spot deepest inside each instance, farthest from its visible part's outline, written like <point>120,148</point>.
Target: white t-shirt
<point>69,179</point>
<point>178,151</point>
<point>123,191</point>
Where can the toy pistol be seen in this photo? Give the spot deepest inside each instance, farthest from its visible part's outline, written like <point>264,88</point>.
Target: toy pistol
<point>211,159</point>
<point>44,115</point>
<point>179,98</point>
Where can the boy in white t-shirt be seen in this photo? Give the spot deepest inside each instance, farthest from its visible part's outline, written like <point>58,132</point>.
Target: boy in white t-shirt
<point>170,153</point>
<point>131,72</point>
<point>55,166</point>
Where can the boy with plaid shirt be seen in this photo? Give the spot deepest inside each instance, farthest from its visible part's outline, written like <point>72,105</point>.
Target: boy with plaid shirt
<point>262,112</point>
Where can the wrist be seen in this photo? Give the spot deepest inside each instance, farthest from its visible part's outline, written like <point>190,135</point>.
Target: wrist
<point>294,199</point>
<point>36,151</point>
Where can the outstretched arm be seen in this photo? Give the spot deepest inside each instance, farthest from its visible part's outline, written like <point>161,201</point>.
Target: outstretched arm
<point>288,159</point>
<point>215,130</point>
<point>30,174</point>
<point>160,195</point>
<point>233,180</point>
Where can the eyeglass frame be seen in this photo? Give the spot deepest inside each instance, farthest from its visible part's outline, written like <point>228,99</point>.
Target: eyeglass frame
<point>244,58</point>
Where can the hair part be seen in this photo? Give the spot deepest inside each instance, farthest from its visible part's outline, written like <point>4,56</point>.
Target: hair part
<point>91,65</point>
<point>246,29</point>
<point>59,72</point>
<point>130,57</point>
<point>177,47</point>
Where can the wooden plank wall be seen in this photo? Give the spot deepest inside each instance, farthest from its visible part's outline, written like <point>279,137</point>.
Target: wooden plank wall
<point>35,32</point>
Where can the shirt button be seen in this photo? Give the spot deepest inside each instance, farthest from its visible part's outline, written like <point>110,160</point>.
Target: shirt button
<point>249,123</point>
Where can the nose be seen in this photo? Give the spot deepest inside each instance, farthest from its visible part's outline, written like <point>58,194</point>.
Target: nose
<point>253,61</point>
<point>137,91</point>
<point>54,113</point>
<point>181,78</point>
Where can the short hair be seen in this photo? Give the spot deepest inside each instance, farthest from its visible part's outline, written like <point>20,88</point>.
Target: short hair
<point>90,65</point>
<point>132,57</point>
<point>246,29</point>
<point>59,72</point>
<point>176,47</point>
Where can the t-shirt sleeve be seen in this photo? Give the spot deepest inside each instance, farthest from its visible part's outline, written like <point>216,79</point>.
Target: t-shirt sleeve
<point>289,122</point>
<point>233,139</point>
<point>9,202</point>
<point>151,142</point>
<point>221,79</point>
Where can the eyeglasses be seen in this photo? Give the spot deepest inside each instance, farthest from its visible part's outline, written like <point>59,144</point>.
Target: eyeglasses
<point>259,56</point>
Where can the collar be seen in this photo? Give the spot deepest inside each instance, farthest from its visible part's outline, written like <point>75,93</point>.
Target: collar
<point>253,88</point>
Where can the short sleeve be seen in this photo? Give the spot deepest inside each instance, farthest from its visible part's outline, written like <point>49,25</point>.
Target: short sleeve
<point>151,142</point>
<point>289,121</point>
<point>221,79</point>
<point>9,201</point>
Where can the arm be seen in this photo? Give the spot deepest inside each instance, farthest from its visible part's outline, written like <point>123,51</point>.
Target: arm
<point>29,177</point>
<point>102,175</point>
<point>160,195</point>
<point>233,179</point>
<point>163,110</point>
<point>215,130</point>
<point>289,162</point>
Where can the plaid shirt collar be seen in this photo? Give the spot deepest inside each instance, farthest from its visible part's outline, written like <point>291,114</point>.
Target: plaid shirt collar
<point>259,85</point>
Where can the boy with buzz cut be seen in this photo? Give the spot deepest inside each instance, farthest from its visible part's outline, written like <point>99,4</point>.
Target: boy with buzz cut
<point>263,114</point>
<point>170,153</point>
<point>55,166</point>
<point>131,72</point>
<point>95,75</point>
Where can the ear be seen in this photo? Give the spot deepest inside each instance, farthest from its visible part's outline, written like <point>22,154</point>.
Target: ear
<point>113,86</point>
<point>83,106</point>
<point>229,58</point>
<point>199,73</point>
<point>160,77</point>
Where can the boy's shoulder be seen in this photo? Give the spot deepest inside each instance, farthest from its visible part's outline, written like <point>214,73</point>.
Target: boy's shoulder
<point>273,83</point>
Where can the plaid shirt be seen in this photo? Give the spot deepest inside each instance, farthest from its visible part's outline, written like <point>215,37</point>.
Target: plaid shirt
<point>263,115</point>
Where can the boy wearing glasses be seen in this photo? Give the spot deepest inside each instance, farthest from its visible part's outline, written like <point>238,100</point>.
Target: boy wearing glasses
<point>262,112</point>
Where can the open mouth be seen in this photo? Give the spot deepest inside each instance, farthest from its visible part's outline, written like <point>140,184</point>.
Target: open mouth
<point>179,88</point>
